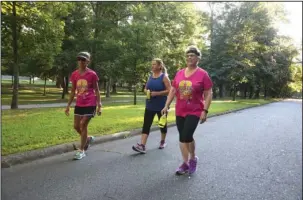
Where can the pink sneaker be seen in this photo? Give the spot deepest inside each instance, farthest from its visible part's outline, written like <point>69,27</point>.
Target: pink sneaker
<point>139,148</point>
<point>183,169</point>
<point>162,144</point>
<point>193,165</point>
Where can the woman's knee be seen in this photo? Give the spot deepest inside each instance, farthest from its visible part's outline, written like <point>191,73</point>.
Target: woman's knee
<point>84,123</point>
<point>186,138</point>
<point>77,127</point>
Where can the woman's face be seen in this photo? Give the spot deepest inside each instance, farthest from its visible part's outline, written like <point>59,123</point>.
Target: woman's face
<point>191,59</point>
<point>155,66</point>
<point>82,62</point>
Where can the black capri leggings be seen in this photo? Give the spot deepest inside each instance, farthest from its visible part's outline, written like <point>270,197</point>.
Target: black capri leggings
<point>186,127</point>
<point>148,120</point>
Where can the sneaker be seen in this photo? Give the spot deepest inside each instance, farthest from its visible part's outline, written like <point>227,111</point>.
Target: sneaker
<point>183,169</point>
<point>139,148</point>
<point>162,145</point>
<point>90,140</point>
<point>79,155</point>
<point>193,165</point>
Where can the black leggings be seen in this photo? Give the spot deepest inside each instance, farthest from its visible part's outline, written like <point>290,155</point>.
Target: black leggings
<point>186,127</point>
<point>148,121</point>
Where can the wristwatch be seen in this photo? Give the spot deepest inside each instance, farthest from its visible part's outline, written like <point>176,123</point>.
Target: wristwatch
<point>205,111</point>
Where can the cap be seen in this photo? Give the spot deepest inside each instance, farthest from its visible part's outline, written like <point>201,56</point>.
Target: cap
<point>83,54</point>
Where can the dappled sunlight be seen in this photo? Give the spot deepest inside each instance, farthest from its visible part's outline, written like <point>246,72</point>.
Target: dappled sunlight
<point>120,107</point>
<point>224,101</point>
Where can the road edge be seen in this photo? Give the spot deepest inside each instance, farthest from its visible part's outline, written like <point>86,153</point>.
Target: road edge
<point>29,156</point>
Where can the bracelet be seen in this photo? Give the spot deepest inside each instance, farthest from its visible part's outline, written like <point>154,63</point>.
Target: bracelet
<point>205,111</point>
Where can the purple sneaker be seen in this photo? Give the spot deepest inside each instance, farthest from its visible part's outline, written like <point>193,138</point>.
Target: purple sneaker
<point>162,145</point>
<point>193,165</point>
<point>139,148</point>
<point>183,169</point>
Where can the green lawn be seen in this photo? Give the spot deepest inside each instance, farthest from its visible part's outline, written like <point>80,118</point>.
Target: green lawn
<point>33,94</point>
<point>24,130</point>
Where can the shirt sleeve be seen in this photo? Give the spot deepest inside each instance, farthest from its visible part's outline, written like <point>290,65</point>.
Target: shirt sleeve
<point>207,83</point>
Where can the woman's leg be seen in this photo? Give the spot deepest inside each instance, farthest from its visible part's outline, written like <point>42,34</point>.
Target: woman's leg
<point>180,121</point>
<point>87,113</point>
<point>77,120</point>
<point>183,168</point>
<point>190,125</point>
<point>148,120</point>
<point>84,124</point>
<point>163,132</point>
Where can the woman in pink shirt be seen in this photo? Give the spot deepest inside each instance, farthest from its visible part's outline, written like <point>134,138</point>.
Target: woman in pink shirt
<point>85,82</point>
<point>193,88</point>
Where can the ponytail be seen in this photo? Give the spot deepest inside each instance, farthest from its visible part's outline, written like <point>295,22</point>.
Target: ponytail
<point>163,68</point>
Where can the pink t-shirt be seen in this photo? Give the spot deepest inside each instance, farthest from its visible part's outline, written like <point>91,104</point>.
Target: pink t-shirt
<point>84,87</point>
<point>189,92</point>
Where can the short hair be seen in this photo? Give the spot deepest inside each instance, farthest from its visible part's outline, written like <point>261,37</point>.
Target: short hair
<point>193,49</point>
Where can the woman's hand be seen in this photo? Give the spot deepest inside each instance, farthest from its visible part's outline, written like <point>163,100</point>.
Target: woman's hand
<point>164,110</point>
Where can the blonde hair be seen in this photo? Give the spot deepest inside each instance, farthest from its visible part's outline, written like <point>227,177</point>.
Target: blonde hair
<point>160,62</point>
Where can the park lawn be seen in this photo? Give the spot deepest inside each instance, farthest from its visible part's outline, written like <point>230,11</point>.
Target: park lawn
<point>34,95</point>
<point>24,130</point>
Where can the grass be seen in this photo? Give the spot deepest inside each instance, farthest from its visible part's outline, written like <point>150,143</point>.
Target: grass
<point>33,94</point>
<point>24,130</point>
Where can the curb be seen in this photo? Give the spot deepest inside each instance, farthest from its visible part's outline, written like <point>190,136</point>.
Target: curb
<point>25,157</point>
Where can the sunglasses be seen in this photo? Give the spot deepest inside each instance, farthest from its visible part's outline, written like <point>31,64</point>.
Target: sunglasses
<point>81,59</point>
<point>191,55</point>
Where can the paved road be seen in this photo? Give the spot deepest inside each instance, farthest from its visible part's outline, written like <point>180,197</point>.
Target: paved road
<point>253,154</point>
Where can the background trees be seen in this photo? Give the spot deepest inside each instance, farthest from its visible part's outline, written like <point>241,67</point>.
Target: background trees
<point>241,48</point>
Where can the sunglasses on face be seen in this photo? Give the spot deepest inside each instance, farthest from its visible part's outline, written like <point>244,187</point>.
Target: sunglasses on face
<point>191,55</point>
<point>81,59</point>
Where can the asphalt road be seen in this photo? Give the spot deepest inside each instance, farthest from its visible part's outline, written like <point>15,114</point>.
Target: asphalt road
<point>253,154</point>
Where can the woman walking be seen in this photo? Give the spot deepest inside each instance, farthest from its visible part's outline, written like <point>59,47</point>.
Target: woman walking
<point>157,87</point>
<point>85,82</point>
<point>193,88</point>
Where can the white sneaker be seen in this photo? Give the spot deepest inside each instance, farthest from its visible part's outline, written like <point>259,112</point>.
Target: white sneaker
<point>79,155</point>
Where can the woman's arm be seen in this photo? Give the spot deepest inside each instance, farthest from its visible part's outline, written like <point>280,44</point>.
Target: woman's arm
<point>97,93</point>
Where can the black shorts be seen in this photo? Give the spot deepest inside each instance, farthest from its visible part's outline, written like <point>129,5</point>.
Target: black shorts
<point>186,127</point>
<point>89,111</point>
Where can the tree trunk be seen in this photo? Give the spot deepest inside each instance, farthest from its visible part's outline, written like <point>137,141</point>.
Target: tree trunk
<point>108,88</point>
<point>66,84</point>
<point>14,104</point>
<point>129,87</point>
<point>251,92</point>
<point>104,86</point>
<point>245,91</point>
<point>234,93</point>
<point>214,92</point>
<point>115,88</point>
<point>30,79</point>
<point>44,92</point>
<point>221,90</point>
<point>257,92</point>
<point>265,91</point>
<point>58,82</point>
<point>65,88</point>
